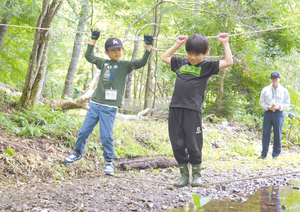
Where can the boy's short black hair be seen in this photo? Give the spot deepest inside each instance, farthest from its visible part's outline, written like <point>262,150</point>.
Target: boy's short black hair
<point>197,44</point>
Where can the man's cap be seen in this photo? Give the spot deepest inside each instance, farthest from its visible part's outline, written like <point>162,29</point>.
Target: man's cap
<point>113,43</point>
<point>275,74</point>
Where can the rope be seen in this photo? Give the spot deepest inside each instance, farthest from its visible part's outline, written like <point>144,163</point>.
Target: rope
<point>256,177</point>
<point>259,31</point>
<point>153,181</point>
<point>231,35</point>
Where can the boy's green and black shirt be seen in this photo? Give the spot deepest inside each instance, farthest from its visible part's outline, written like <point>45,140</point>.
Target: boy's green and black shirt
<point>119,80</point>
<point>191,82</point>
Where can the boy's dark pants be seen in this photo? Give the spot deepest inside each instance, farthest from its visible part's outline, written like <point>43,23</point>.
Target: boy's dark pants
<point>185,131</point>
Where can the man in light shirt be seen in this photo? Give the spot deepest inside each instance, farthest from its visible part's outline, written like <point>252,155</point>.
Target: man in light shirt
<point>274,99</point>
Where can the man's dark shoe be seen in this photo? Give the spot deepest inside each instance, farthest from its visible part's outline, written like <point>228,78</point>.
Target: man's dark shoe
<point>262,157</point>
<point>275,157</point>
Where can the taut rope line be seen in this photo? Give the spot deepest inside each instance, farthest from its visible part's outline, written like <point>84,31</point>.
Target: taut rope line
<point>231,35</point>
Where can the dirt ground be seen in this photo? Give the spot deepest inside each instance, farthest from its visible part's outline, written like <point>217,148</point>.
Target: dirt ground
<point>105,193</point>
<point>147,189</point>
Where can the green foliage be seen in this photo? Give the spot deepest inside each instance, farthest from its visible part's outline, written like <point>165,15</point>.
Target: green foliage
<point>291,127</point>
<point>10,151</point>
<point>41,121</point>
<point>197,201</point>
<point>295,97</point>
<point>18,42</point>
<point>255,55</point>
<point>229,104</point>
<point>92,146</point>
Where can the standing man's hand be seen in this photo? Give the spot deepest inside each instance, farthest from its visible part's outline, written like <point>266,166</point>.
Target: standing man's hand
<point>274,107</point>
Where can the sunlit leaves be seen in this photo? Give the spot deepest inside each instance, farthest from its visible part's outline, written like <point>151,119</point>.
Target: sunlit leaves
<point>10,151</point>
<point>197,201</point>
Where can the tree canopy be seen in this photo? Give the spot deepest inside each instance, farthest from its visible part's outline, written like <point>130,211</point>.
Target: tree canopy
<point>256,55</point>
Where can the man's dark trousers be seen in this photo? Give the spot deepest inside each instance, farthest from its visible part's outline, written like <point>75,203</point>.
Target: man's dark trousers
<point>275,120</point>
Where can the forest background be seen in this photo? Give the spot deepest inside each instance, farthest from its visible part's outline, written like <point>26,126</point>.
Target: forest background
<point>50,64</point>
<point>45,84</point>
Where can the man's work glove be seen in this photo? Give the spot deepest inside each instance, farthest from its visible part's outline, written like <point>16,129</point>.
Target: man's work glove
<point>148,39</point>
<point>95,35</point>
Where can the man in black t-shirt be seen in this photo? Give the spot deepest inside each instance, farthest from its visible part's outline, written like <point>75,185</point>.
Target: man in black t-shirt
<point>185,119</point>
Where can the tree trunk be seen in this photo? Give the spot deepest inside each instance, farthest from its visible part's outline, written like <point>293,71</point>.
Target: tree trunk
<point>141,86</point>
<point>130,75</point>
<point>136,84</point>
<point>221,94</point>
<point>48,66</point>
<point>148,82</point>
<point>37,62</point>
<point>76,51</point>
<point>155,34</point>
<point>86,81</point>
<point>5,20</point>
<point>41,75</point>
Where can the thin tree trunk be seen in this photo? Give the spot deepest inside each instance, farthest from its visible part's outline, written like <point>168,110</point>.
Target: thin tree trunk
<point>134,57</point>
<point>36,66</point>
<point>141,87</point>
<point>221,94</point>
<point>130,76</point>
<point>155,34</point>
<point>136,84</point>
<point>76,51</point>
<point>5,20</point>
<point>149,77</point>
<point>148,82</point>
<point>41,75</point>
<point>86,81</point>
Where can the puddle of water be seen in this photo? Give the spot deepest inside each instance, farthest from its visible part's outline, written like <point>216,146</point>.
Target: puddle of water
<point>266,199</point>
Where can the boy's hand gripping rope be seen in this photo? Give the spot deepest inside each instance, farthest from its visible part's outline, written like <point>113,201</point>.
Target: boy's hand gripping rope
<point>95,35</point>
<point>148,39</point>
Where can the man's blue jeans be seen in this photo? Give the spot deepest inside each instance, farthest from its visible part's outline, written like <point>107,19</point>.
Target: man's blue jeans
<point>275,120</point>
<point>106,117</point>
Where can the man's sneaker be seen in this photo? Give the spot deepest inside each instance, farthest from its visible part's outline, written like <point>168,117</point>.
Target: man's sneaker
<point>262,157</point>
<point>109,168</point>
<point>73,158</point>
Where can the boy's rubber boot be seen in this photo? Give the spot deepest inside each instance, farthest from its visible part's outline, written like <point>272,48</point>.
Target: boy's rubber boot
<point>196,168</point>
<point>185,176</point>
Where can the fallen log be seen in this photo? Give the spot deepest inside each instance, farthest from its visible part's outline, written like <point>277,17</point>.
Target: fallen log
<point>146,164</point>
